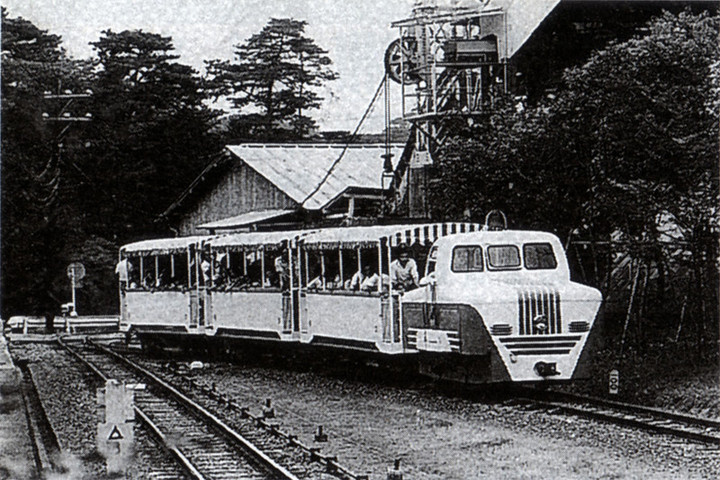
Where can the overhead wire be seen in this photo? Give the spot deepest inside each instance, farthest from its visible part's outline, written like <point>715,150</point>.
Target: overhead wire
<point>350,140</point>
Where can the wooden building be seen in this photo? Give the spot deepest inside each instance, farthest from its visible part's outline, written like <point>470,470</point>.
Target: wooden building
<point>255,186</point>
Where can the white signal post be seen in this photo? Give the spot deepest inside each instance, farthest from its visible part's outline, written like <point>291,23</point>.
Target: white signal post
<point>72,279</point>
<point>75,272</point>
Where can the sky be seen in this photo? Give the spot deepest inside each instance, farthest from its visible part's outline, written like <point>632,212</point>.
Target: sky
<point>354,32</point>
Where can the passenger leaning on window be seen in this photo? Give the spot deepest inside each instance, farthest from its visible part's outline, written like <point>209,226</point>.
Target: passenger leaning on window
<point>121,269</point>
<point>403,271</point>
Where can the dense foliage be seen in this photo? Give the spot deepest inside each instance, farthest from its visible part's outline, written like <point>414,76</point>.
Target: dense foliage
<point>83,175</point>
<point>76,190</point>
<point>623,160</point>
<point>33,188</point>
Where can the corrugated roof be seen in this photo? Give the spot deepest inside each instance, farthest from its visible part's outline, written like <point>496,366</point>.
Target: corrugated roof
<point>297,169</point>
<point>245,219</point>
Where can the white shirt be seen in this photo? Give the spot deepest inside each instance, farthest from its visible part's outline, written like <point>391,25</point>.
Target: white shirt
<point>406,276</point>
<point>122,270</point>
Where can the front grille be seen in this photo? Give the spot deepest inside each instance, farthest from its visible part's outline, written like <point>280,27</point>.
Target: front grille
<point>543,303</point>
<point>454,340</point>
<point>558,345</point>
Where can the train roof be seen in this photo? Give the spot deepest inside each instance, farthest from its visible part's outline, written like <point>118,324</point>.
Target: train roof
<point>499,236</point>
<point>162,245</point>
<point>255,239</point>
<point>369,236</point>
<point>344,237</point>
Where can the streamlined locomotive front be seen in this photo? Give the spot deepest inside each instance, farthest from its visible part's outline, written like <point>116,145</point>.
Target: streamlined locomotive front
<point>499,307</point>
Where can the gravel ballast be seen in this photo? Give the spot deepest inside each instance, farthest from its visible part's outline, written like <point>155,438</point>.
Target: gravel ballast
<point>438,436</point>
<point>377,419</point>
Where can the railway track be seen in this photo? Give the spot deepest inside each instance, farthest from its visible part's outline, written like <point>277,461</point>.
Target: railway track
<point>204,445</point>
<point>46,447</point>
<point>698,429</point>
<point>262,425</point>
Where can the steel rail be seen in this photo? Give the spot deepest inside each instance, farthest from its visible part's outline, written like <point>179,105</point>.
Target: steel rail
<point>331,463</point>
<point>225,429</point>
<point>275,469</point>
<point>627,414</point>
<point>179,456</point>
<point>642,409</point>
<point>333,466</point>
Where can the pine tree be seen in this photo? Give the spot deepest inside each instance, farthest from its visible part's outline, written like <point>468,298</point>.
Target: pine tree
<point>273,81</point>
<point>152,131</point>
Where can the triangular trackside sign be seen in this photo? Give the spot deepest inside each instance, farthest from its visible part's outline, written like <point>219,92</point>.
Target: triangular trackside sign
<point>115,434</point>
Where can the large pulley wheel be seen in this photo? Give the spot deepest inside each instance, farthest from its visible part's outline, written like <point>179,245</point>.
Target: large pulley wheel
<point>401,61</point>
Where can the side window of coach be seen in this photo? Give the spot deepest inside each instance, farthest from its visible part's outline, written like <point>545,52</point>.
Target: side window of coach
<point>539,256</point>
<point>467,259</point>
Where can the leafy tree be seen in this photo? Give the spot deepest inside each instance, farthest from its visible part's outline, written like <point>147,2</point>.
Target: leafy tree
<point>627,151</point>
<point>642,108</point>
<point>35,184</point>
<point>273,81</point>
<point>151,129</point>
<point>74,194</point>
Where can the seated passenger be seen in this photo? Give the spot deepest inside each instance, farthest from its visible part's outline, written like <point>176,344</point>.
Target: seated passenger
<point>282,270</point>
<point>149,281</point>
<point>370,284</point>
<point>205,267</point>
<point>357,280</point>
<point>365,281</point>
<point>334,284</point>
<point>176,282</point>
<point>271,280</point>
<point>316,275</point>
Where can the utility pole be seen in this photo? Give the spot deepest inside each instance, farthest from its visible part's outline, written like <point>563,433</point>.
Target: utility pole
<point>59,104</point>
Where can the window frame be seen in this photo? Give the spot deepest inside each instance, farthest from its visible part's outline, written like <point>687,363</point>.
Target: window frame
<point>492,267</point>
<point>468,246</point>
<point>524,257</point>
<point>431,263</point>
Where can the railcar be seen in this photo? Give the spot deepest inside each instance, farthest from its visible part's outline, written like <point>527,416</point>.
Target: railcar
<point>490,305</point>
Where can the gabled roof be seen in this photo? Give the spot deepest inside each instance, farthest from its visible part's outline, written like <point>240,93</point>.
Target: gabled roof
<point>300,170</point>
<point>244,220</point>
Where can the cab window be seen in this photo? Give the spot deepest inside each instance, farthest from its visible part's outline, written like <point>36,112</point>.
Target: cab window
<point>539,256</point>
<point>503,256</point>
<point>467,258</point>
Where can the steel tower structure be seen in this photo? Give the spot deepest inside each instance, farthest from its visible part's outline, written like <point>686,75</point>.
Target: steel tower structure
<point>451,61</point>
